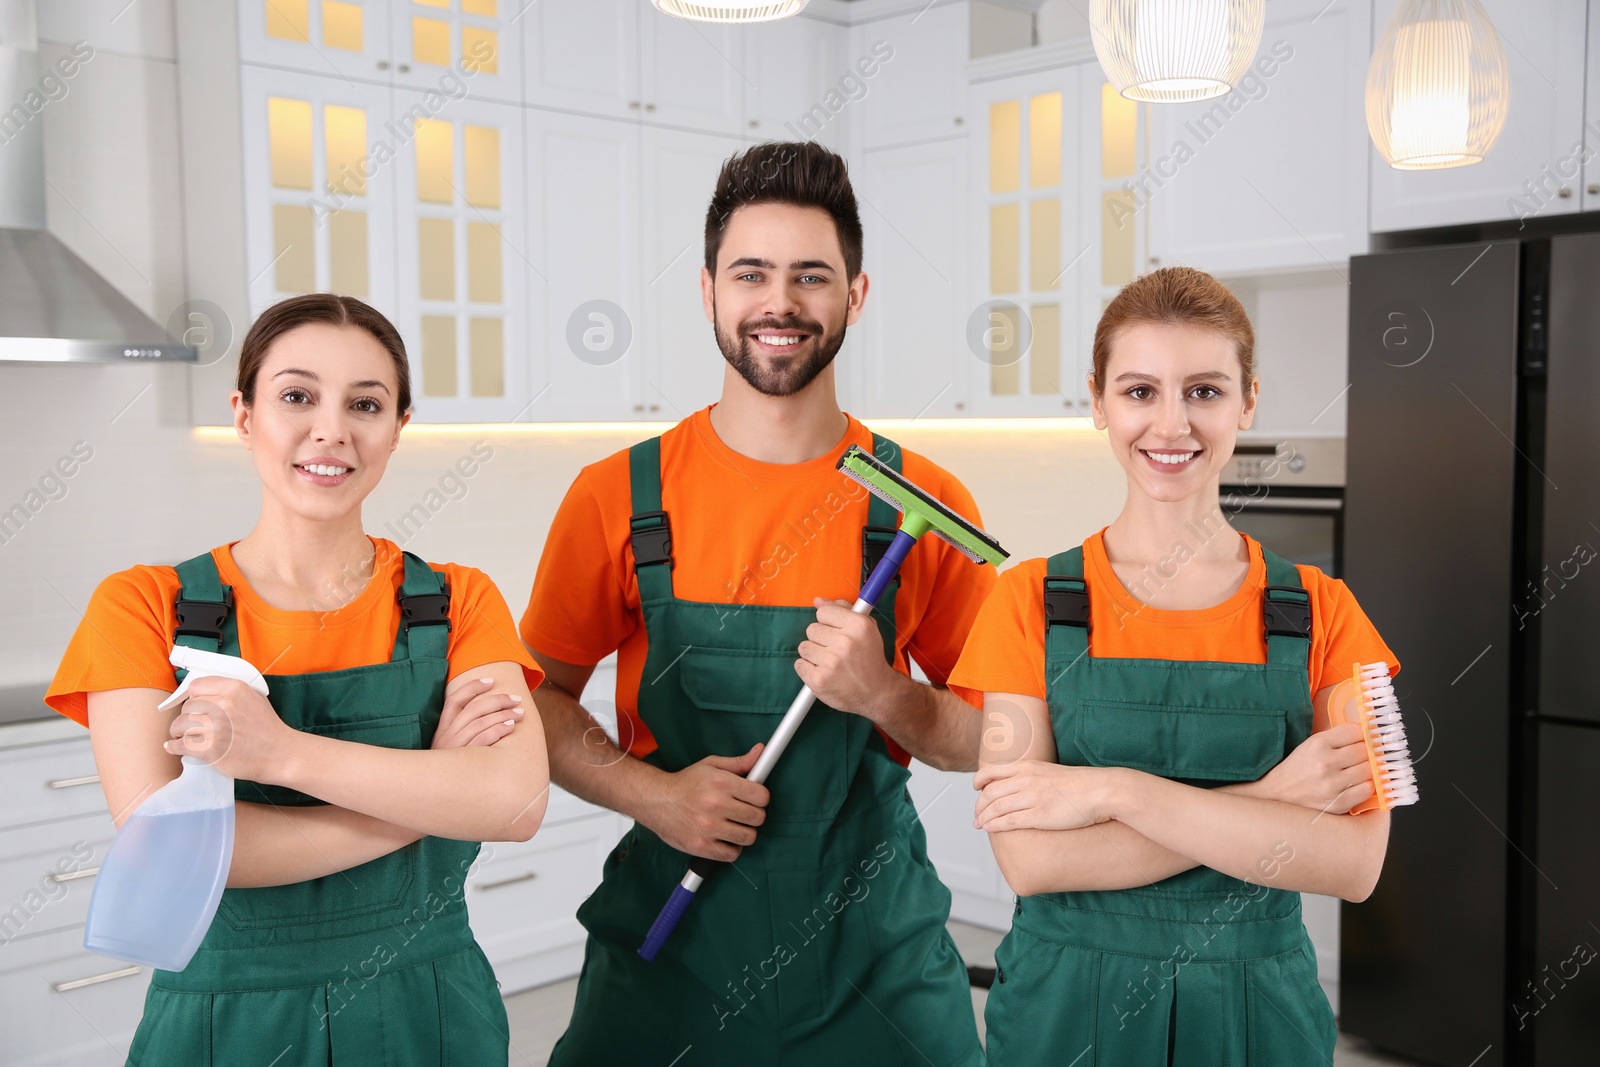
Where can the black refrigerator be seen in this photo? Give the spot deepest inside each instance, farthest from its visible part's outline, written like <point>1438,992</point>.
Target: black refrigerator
<point>1472,526</point>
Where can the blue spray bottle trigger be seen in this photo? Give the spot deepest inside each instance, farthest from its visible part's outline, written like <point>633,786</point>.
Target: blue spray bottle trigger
<point>162,879</point>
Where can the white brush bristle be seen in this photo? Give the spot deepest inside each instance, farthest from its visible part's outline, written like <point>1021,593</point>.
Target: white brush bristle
<point>1399,779</point>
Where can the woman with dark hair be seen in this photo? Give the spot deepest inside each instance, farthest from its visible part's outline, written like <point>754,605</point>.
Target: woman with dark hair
<point>398,733</point>
<point>1159,778</point>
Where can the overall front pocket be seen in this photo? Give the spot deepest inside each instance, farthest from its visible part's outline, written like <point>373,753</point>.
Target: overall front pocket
<point>1183,744</point>
<point>741,696</point>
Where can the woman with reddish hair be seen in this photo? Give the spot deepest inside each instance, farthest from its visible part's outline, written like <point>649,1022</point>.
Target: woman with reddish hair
<point>397,734</point>
<point>1159,779</point>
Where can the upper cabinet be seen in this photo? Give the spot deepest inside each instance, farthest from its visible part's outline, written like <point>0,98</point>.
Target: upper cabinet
<point>1536,168</point>
<point>1273,175</point>
<point>799,81</point>
<point>918,88</point>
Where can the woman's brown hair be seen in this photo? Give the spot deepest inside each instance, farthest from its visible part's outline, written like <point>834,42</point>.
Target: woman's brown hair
<point>1175,296</point>
<point>329,309</point>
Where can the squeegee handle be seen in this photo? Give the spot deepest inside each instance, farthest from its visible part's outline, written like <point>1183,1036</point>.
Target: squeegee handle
<point>683,893</point>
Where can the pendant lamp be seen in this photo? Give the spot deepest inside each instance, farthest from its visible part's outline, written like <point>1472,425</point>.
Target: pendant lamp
<point>1437,89</point>
<point>1170,51</point>
<point>730,10</point>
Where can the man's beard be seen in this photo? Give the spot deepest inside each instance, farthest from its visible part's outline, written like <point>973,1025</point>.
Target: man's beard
<point>793,374</point>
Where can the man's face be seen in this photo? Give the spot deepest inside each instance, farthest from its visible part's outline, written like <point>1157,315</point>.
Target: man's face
<point>779,301</point>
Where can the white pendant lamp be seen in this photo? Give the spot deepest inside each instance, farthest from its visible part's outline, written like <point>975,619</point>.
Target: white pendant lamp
<point>1437,89</point>
<point>1170,51</point>
<point>730,10</point>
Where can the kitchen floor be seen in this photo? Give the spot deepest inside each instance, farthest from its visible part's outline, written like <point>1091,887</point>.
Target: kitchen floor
<point>538,1016</point>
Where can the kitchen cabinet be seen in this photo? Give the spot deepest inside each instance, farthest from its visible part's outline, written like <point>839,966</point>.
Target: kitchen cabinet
<point>1591,114</point>
<point>425,46</point>
<point>918,92</point>
<point>623,59</point>
<point>1271,176</point>
<point>1053,233</point>
<point>64,1005</point>
<point>1535,168</point>
<point>906,357</point>
<point>796,85</point>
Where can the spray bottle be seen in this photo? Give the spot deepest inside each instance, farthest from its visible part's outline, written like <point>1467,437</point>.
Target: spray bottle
<point>163,876</point>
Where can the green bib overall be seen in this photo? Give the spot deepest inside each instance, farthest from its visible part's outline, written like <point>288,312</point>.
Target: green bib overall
<point>372,965</point>
<point>1201,968</point>
<point>824,942</point>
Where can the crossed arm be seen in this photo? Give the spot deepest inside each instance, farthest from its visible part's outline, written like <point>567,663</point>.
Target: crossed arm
<point>483,780</point>
<point>1057,828</point>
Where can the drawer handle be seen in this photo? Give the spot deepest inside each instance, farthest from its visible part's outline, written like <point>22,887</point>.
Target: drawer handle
<point>528,877</point>
<point>109,976</point>
<point>72,876</point>
<point>68,783</point>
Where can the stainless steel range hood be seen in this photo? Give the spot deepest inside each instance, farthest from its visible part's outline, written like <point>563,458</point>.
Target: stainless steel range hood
<point>54,308</point>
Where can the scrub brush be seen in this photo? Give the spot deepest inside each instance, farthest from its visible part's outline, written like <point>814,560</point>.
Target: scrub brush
<point>1367,698</point>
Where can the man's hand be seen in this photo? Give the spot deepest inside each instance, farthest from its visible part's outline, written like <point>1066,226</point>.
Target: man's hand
<point>709,809</point>
<point>1328,771</point>
<point>473,715</point>
<point>842,659</point>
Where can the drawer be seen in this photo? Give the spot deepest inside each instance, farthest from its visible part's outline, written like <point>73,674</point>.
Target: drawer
<point>47,874</point>
<point>41,782</point>
<point>66,1006</point>
<point>523,898</point>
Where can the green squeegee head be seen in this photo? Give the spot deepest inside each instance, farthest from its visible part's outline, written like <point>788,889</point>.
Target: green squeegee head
<point>922,512</point>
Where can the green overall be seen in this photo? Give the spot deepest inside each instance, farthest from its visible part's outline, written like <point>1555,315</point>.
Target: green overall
<point>1200,968</point>
<point>372,965</point>
<point>824,942</point>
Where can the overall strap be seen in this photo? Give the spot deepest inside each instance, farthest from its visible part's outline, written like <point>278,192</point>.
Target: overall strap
<point>1066,610</point>
<point>1286,611</point>
<point>424,631</point>
<point>649,528</point>
<point>883,519</point>
<point>204,608</point>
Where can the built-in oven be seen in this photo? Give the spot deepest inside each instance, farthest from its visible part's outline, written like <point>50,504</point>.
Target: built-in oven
<point>1288,493</point>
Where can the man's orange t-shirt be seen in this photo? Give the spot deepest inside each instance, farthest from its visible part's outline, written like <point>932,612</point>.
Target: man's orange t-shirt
<point>126,633</point>
<point>1005,651</point>
<point>743,532</point>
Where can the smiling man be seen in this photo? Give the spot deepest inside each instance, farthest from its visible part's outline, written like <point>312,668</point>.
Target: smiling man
<point>719,561</point>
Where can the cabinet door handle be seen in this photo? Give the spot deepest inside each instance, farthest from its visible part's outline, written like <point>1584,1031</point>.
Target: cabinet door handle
<point>1565,192</point>
<point>95,979</point>
<point>68,783</point>
<point>528,877</point>
<point>73,876</point>
<point>649,107</point>
<point>1594,190</point>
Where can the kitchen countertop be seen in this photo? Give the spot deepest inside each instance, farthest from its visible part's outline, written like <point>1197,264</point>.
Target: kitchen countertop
<point>25,720</point>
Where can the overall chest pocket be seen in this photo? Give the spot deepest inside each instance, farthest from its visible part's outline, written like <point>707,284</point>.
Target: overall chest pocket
<point>1212,744</point>
<point>740,696</point>
<point>306,910</point>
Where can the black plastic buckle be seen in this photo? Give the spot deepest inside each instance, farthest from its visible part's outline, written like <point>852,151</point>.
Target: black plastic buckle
<point>652,538</point>
<point>204,618</point>
<point>875,542</point>
<point>426,609</point>
<point>1289,615</point>
<point>1066,605</point>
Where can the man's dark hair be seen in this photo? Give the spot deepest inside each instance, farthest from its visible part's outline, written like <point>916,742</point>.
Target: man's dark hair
<point>801,173</point>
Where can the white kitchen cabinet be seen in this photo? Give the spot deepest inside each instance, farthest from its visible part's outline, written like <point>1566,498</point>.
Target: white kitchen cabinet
<point>920,92</point>
<point>683,366</point>
<point>945,802</point>
<point>1591,114</point>
<point>584,203</point>
<point>462,260</point>
<point>1271,176</point>
<point>443,45</point>
<point>907,357</point>
<point>1535,168</point>
<point>337,38</point>
<point>691,74</point>
<point>320,208</point>
<point>796,86</point>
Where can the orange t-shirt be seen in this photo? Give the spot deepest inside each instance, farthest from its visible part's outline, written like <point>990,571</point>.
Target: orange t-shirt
<point>743,532</point>
<point>1005,652</point>
<point>126,633</point>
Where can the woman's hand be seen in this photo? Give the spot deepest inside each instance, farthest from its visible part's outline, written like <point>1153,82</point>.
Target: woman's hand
<point>475,716</point>
<point>1036,795</point>
<point>227,724</point>
<point>1327,772</point>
